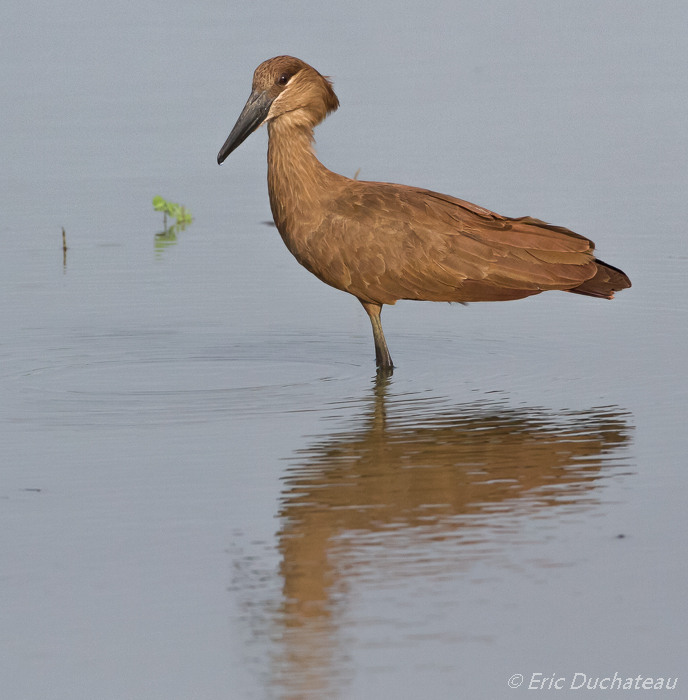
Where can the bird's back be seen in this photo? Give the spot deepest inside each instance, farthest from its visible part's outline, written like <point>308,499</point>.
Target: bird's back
<point>384,242</point>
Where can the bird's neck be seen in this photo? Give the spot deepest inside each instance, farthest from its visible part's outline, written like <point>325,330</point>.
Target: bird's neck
<point>297,181</point>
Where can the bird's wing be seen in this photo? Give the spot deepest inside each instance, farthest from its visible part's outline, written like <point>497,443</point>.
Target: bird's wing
<point>384,242</point>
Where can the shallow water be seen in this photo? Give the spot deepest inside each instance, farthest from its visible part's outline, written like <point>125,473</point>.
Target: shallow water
<point>205,490</point>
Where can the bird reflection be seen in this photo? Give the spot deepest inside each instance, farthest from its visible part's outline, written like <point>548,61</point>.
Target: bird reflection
<point>432,483</point>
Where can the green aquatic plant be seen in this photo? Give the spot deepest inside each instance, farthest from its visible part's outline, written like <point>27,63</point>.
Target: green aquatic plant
<point>176,211</point>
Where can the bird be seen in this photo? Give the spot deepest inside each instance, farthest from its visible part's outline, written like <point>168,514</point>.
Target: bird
<point>383,242</point>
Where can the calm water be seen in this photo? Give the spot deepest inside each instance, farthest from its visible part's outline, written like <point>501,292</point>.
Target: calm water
<point>205,491</point>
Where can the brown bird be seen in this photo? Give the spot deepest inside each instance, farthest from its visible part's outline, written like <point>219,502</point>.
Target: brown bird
<point>383,242</point>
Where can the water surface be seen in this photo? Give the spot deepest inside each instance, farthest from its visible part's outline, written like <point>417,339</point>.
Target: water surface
<point>206,491</point>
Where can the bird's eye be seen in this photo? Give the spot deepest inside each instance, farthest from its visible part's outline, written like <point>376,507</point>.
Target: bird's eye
<point>283,79</point>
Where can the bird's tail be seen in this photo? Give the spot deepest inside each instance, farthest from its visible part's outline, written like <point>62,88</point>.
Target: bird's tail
<point>607,280</point>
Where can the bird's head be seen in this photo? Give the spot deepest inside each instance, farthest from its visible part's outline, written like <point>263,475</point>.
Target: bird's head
<point>284,88</point>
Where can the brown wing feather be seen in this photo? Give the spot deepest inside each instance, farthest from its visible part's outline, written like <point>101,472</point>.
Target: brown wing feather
<point>384,242</point>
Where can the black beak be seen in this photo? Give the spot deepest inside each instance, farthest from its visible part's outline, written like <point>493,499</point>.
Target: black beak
<point>251,117</point>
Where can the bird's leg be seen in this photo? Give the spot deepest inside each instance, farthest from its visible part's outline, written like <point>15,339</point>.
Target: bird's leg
<point>383,359</point>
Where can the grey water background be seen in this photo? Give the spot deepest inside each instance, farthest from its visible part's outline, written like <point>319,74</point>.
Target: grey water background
<point>203,490</point>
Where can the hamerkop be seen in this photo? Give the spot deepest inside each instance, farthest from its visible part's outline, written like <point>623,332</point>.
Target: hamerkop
<point>383,242</point>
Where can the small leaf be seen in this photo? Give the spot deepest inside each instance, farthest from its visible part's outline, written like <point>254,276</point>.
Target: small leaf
<point>172,209</point>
